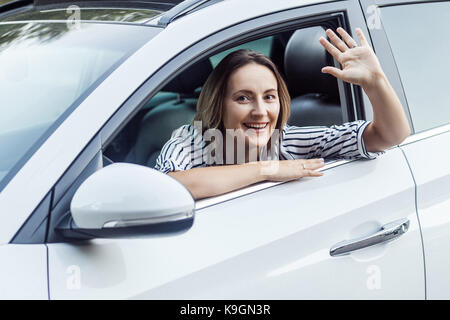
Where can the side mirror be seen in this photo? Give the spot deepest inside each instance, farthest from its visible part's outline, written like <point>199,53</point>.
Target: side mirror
<point>123,200</point>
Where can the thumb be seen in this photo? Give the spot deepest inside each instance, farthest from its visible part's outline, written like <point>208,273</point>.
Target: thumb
<point>338,73</point>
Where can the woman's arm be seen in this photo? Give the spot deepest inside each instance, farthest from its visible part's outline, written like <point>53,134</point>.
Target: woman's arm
<point>390,125</point>
<point>216,180</point>
<point>361,66</point>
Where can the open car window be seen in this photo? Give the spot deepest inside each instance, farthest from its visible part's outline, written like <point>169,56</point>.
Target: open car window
<point>315,96</point>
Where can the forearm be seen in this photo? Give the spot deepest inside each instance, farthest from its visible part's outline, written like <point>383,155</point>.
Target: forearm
<point>216,180</point>
<point>390,125</point>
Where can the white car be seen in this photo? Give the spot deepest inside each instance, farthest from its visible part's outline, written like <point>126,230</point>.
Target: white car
<point>89,93</point>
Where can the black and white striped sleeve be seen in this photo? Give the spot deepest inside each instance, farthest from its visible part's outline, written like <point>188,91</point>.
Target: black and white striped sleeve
<point>338,141</point>
<point>176,153</point>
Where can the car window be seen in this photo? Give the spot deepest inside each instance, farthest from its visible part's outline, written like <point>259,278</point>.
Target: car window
<point>46,69</point>
<point>421,50</point>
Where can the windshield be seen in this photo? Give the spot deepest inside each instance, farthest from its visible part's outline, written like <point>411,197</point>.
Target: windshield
<point>46,70</point>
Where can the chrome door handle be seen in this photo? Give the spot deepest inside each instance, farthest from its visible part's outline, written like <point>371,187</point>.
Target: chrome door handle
<point>388,232</point>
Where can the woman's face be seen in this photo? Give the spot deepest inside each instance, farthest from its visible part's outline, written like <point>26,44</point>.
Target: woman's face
<point>252,103</point>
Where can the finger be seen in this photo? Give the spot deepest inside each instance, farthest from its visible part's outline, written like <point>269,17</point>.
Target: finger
<point>314,166</point>
<point>336,40</point>
<point>310,161</point>
<point>310,164</point>
<point>330,48</point>
<point>314,161</point>
<point>351,43</point>
<point>338,73</point>
<point>361,37</point>
<point>312,173</point>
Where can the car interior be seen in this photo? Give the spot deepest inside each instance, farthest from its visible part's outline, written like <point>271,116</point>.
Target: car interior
<point>299,57</point>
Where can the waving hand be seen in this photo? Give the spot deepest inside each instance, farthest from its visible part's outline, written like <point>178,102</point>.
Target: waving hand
<point>359,63</point>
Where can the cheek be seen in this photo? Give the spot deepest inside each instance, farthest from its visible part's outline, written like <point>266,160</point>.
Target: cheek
<point>233,115</point>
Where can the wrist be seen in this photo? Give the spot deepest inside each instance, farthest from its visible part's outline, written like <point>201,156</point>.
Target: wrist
<point>259,170</point>
<point>259,173</point>
<point>377,81</point>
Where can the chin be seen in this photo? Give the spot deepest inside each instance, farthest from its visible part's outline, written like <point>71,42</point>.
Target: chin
<point>253,142</point>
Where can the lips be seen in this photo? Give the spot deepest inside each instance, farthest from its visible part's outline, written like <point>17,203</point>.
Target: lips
<point>258,126</point>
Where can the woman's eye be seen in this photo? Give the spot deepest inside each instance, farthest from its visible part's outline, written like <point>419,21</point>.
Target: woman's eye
<point>271,97</point>
<point>242,99</point>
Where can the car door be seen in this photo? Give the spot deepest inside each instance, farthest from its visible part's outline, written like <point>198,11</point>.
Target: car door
<point>270,244</point>
<point>270,241</point>
<point>23,272</point>
<point>427,150</point>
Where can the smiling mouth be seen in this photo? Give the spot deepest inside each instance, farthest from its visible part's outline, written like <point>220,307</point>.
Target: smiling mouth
<point>256,126</point>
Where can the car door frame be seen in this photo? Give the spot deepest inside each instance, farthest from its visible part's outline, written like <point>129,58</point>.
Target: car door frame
<point>352,97</point>
<point>230,37</point>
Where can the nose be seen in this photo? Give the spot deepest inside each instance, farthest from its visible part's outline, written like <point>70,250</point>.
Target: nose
<point>259,107</point>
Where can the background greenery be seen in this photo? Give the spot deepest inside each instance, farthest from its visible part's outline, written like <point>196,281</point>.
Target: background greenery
<point>5,1</point>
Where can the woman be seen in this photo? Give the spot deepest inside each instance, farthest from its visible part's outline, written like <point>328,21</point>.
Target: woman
<point>241,121</point>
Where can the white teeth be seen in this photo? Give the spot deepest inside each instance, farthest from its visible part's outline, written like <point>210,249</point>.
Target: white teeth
<point>256,126</point>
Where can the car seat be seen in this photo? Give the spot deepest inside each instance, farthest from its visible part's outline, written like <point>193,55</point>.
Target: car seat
<point>158,124</point>
<point>314,95</point>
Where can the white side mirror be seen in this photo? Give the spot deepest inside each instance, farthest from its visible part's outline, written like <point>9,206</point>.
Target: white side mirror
<point>129,195</point>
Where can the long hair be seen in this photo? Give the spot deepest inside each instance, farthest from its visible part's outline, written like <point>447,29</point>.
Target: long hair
<point>210,105</point>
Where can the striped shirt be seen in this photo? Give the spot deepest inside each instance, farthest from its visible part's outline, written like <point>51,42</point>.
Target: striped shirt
<point>188,149</point>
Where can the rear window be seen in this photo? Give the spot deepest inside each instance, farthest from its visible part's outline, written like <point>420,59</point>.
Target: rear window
<point>46,71</point>
<point>418,36</point>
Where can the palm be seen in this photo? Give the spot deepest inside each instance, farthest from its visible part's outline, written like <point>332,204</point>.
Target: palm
<point>359,63</point>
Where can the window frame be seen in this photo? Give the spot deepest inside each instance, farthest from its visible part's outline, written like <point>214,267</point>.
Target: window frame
<point>216,43</point>
<point>291,19</point>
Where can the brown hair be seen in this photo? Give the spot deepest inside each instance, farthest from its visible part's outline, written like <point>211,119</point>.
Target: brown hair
<point>210,103</point>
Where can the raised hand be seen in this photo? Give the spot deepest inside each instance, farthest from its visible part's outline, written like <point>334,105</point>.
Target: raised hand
<point>359,64</point>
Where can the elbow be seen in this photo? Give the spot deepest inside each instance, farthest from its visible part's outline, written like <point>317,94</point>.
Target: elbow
<point>386,141</point>
<point>405,134</point>
<point>408,131</point>
<point>398,136</point>
<point>396,140</point>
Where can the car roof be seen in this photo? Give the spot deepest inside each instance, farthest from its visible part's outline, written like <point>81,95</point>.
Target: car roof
<point>130,11</point>
<point>155,12</point>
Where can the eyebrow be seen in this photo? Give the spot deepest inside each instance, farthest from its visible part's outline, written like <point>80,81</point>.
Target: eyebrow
<point>250,92</point>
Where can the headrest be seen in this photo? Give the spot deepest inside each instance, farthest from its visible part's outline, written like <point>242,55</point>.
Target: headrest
<point>303,60</point>
<point>191,78</point>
